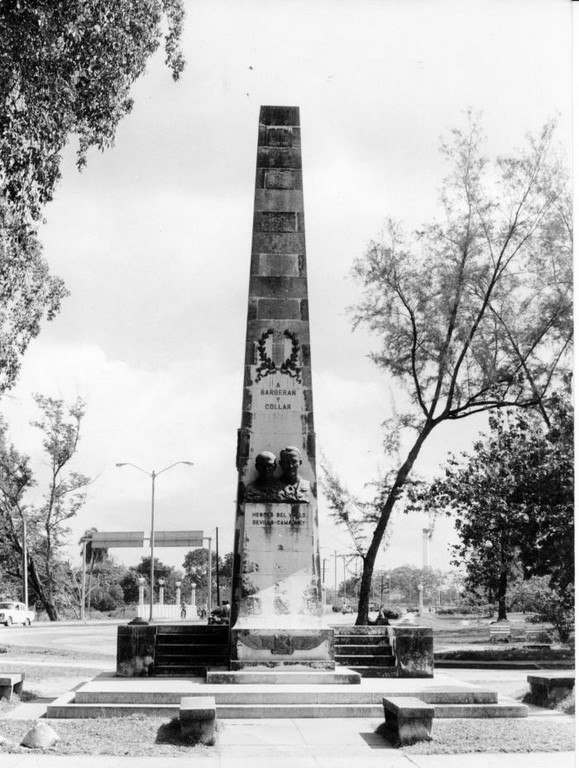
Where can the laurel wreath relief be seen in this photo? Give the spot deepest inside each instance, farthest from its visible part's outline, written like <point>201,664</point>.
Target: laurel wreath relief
<point>289,365</point>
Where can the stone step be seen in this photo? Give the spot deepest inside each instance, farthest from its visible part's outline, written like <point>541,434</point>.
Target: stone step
<point>361,640</point>
<point>504,708</point>
<point>364,631</point>
<point>177,670</point>
<point>282,677</point>
<point>370,670</point>
<point>299,710</point>
<point>355,660</point>
<point>281,695</point>
<point>66,707</point>
<point>362,650</point>
<point>178,647</point>
<point>200,630</point>
<point>168,659</point>
<point>170,641</point>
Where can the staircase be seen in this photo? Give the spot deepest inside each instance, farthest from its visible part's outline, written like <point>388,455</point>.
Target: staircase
<point>189,649</point>
<point>117,697</point>
<point>367,650</point>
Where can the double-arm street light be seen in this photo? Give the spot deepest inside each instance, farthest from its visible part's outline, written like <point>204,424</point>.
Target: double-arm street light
<point>153,475</point>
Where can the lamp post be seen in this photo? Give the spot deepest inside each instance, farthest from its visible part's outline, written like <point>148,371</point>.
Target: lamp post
<point>153,475</point>
<point>24,562</point>
<point>209,575</point>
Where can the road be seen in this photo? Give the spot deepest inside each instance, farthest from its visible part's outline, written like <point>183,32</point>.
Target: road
<point>98,639</point>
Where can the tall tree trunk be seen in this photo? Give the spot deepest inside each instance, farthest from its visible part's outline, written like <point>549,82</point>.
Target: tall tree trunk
<point>502,595</point>
<point>372,553</point>
<point>47,602</point>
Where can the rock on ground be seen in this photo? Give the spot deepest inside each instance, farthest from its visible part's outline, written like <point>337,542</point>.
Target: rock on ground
<point>41,736</point>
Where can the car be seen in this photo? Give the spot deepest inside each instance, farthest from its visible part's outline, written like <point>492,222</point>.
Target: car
<point>12,612</point>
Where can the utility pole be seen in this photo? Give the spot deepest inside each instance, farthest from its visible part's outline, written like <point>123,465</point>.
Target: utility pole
<point>24,561</point>
<point>209,575</point>
<point>217,563</point>
<point>83,583</point>
<point>335,577</point>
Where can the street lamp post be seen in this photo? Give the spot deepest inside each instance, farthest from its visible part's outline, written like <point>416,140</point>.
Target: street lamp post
<point>24,562</point>
<point>153,475</point>
<point>209,575</point>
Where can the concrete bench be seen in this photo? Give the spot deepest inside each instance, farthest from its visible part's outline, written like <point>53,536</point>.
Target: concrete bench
<point>500,631</point>
<point>547,690</point>
<point>10,683</point>
<point>197,716</point>
<point>407,720</point>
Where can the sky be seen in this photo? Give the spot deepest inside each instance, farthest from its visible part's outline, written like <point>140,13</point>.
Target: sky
<point>153,239</point>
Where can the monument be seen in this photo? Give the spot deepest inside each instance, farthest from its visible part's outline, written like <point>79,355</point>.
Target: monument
<point>277,612</point>
<point>277,616</point>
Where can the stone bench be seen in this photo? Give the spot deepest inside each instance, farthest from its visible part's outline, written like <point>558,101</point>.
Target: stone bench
<point>548,690</point>
<point>407,720</point>
<point>197,716</point>
<point>10,683</point>
<point>500,631</point>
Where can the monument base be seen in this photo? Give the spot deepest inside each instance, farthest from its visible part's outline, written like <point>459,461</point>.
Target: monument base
<point>269,648</point>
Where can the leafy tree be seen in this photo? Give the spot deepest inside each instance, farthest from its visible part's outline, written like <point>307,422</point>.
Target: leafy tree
<point>47,520</point>
<point>474,313</point>
<point>195,567</point>
<point>92,555</point>
<point>66,69</point>
<point>512,498</point>
<point>548,494</point>
<point>28,293</point>
<point>528,595</point>
<point>106,592</point>
<point>162,571</point>
<point>130,586</point>
<point>407,578</point>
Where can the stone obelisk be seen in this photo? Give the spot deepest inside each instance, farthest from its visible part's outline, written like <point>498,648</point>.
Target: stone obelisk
<point>277,597</point>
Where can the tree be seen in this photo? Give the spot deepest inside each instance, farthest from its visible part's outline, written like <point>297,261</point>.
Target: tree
<point>195,567</point>
<point>473,314</point>
<point>47,520</point>
<point>66,69</point>
<point>162,571</point>
<point>28,293</point>
<point>512,499</point>
<point>130,586</point>
<point>106,592</point>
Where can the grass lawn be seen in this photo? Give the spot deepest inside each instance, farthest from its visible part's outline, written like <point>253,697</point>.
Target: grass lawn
<point>498,735</point>
<point>137,735</point>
